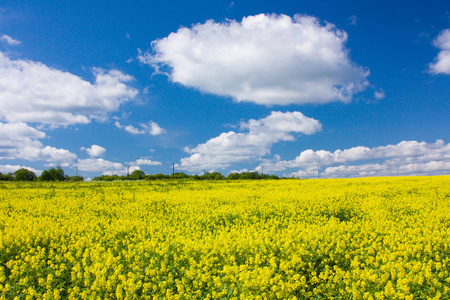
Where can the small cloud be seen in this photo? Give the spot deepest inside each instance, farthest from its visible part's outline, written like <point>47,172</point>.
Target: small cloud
<point>442,61</point>
<point>129,128</point>
<point>152,128</point>
<point>379,94</point>
<point>145,161</point>
<point>231,5</point>
<point>128,35</point>
<point>9,40</point>
<point>94,151</point>
<point>99,165</point>
<point>353,20</point>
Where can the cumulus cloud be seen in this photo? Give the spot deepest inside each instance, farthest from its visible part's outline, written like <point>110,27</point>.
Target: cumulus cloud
<point>146,162</point>
<point>35,93</point>
<point>151,128</point>
<point>265,59</point>
<point>442,61</point>
<point>231,147</point>
<point>9,40</point>
<point>95,150</point>
<point>404,158</point>
<point>20,141</point>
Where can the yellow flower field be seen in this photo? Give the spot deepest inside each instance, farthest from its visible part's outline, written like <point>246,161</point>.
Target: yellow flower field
<point>370,238</point>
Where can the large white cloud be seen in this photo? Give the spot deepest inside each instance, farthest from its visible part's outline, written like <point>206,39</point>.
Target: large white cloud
<point>265,59</point>
<point>442,61</point>
<point>35,93</point>
<point>404,158</point>
<point>231,147</point>
<point>20,141</point>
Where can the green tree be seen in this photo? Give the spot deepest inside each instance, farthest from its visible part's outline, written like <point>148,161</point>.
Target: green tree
<point>6,177</point>
<point>233,176</point>
<point>24,175</point>
<point>137,175</point>
<point>52,175</point>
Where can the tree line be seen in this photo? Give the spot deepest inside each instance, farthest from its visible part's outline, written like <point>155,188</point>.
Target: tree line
<point>53,174</point>
<point>140,175</point>
<point>57,174</point>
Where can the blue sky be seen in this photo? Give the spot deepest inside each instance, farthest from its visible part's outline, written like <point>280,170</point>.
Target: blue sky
<point>335,88</point>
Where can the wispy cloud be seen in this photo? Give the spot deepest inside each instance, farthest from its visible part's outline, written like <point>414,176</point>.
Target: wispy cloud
<point>9,40</point>
<point>353,20</point>
<point>151,128</point>
<point>145,162</point>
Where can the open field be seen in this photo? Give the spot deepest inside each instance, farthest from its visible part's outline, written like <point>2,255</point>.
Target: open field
<point>372,238</point>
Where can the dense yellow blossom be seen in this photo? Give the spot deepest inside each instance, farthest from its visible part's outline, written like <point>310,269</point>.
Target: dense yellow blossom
<point>372,238</point>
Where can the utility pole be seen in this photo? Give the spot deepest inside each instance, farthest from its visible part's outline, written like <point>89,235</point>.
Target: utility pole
<point>313,174</point>
<point>262,170</point>
<point>128,171</point>
<point>76,172</point>
<point>173,171</point>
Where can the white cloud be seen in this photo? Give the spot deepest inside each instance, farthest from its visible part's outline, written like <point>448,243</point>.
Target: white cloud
<point>20,141</point>
<point>124,171</point>
<point>386,169</point>
<point>98,165</point>
<point>404,158</point>
<point>13,168</point>
<point>95,150</point>
<point>146,162</point>
<point>9,40</point>
<point>151,128</point>
<point>35,93</point>
<point>442,61</point>
<point>231,147</point>
<point>379,94</point>
<point>18,132</point>
<point>129,128</point>
<point>265,59</point>
<point>106,167</point>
